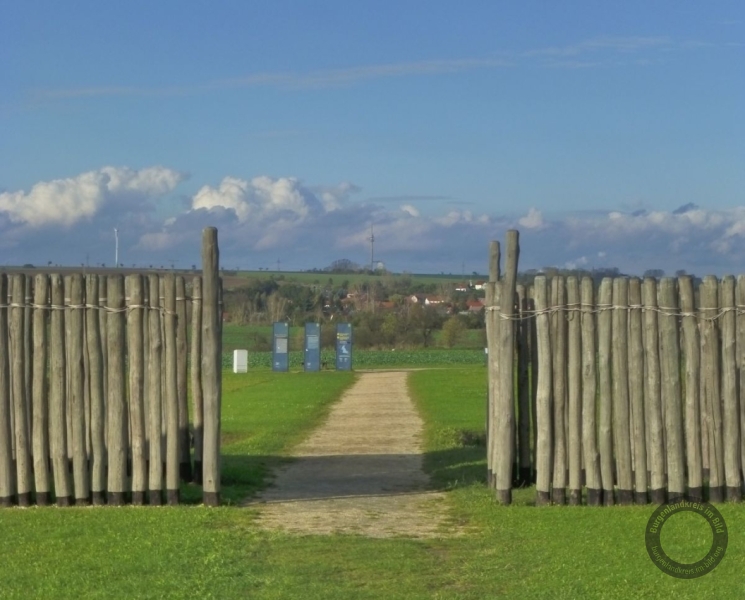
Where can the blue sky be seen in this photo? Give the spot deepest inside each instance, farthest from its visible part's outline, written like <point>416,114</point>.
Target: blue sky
<point>294,126</point>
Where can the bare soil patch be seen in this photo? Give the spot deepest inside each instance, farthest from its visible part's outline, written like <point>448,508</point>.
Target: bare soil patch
<point>360,472</point>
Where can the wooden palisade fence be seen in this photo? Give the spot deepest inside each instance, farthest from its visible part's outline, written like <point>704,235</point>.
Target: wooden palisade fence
<point>93,394</point>
<point>627,392</point>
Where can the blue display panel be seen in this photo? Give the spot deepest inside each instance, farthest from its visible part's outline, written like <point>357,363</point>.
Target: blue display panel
<point>312,358</point>
<point>280,347</point>
<point>344,347</point>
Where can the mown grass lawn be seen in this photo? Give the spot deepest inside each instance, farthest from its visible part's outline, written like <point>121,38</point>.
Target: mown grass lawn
<point>514,552</point>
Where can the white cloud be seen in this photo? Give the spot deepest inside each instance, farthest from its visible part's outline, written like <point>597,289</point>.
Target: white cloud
<point>263,218</point>
<point>67,201</point>
<point>262,199</point>
<point>533,220</point>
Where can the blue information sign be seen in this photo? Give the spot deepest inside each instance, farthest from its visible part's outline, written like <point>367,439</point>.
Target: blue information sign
<point>280,347</point>
<point>312,360</point>
<point>344,347</point>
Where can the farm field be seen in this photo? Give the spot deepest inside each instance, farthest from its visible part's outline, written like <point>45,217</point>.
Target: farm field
<point>518,551</point>
<point>322,277</point>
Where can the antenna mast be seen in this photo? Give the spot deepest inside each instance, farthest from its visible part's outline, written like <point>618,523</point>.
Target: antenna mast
<point>371,239</point>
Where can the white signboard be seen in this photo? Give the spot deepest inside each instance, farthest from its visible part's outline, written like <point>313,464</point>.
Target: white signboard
<point>240,361</point>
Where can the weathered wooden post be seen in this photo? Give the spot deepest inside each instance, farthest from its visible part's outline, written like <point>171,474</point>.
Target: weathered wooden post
<point>75,336</point>
<point>211,366</point>
<point>670,372</point>
<point>171,394</point>
<point>574,392</point>
<point>135,360</point>
<point>492,325</point>
<point>505,401</point>
<point>559,348</point>
<point>182,359</point>
<point>154,366</point>
<point>40,429</point>
<point>95,351</point>
<point>17,355</point>
<point>523,389</point>
<point>691,356</point>
<point>636,390</point>
<point>589,393</point>
<point>741,360</point>
<point>533,374</point>
<point>196,377</point>
<point>493,291</point>
<point>730,403</point>
<point>653,394</point>
<point>605,431</point>
<point>621,420</point>
<point>544,387</point>
<point>117,422</point>
<point>102,314</point>
<point>711,379</point>
<point>28,380</point>
<point>58,394</point>
<point>7,476</point>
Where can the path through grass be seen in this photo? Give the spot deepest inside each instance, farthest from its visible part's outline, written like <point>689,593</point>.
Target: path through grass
<point>514,552</point>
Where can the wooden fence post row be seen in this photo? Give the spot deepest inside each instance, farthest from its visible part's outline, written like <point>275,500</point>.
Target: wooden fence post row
<point>93,387</point>
<point>628,392</point>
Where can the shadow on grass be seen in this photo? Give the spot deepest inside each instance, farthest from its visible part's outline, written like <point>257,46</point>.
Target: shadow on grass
<point>341,476</point>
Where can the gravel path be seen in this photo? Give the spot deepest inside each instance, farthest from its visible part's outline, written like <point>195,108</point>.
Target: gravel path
<point>360,472</point>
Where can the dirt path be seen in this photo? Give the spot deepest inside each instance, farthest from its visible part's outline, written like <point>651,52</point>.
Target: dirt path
<point>360,472</point>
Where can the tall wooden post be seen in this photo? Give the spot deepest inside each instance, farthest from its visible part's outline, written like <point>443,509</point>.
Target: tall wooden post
<point>492,324</point>
<point>670,372</point>
<point>605,430</point>
<point>75,336</point>
<point>559,348</point>
<point>533,374</point>
<point>182,359</point>
<point>621,420</point>
<point>589,393</point>
<point>7,475</point>
<point>741,360</point>
<point>171,394</point>
<point>709,292</point>
<point>653,393</point>
<point>505,401</point>
<point>691,357</point>
<point>196,377</point>
<point>17,355</point>
<point>58,394</point>
<point>95,351</point>
<point>543,395</point>
<point>730,401</point>
<point>117,424</point>
<point>135,360</point>
<point>40,428</point>
<point>211,366</point>
<point>574,392</point>
<point>28,363</point>
<point>636,391</point>
<point>523,389</point>
<point>154,366</point>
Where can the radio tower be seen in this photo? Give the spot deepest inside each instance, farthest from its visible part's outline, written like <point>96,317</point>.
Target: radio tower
<point>371,239</point>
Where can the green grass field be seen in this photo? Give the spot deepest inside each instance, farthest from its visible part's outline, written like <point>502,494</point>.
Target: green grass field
<point>513,552</point>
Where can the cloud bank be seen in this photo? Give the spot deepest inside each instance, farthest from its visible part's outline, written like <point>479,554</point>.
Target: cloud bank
<point>265,219</point>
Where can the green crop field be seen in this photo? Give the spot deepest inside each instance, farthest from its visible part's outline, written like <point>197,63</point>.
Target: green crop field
<point>322,278</point>
<point>190,551</point>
